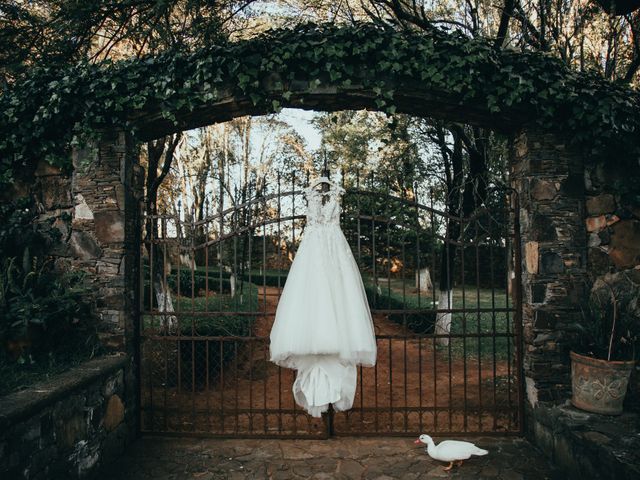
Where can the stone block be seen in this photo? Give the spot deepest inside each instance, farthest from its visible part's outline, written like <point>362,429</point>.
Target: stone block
<point>612,219</point>
<point>84,246</point>
<point>538,292</point>
<point>114,384</point>
<point>573,186</point>
<point>112,317</point>
<point>62,226</point>
<point>571,262</point>
<point>47,428</point>
<point>109,226</point>
<point>544,320</point>
<point>350,468</point>
<point>543,189</point>
<point>114,444</point>
<point>120,196</point>
<point>41,459</point>
<point>93,398</point>
<point>564,456</point>
<point>601,204</point>
<point>543,438</point>
<point>542,228</point>
<point>105,268</point>
<point>114,413</point>
<point>595,224</point>
<point>596,438</point>
<point>543,338</point>
<point>70,430</point>
<point>531,253</point>
<point>32,430</point>
<point>116,301</point>
<point>604,236</point>
<point>594,240</point>
<point>625,243</point>
<point>68,407</point>
<point>56,192</point>
<point>568,233</point>
<point>551,262</point>
<point>598,261</point>
<point>82,211</point>
<point>85,457</point>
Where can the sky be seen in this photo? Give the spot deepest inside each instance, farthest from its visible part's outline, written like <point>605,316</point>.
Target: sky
<point>300,120</point>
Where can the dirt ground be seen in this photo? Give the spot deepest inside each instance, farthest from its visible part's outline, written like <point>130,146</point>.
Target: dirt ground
<point>414,387</point>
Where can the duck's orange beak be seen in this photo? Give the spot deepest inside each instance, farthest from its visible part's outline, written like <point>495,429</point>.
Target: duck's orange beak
<point>417,442</point>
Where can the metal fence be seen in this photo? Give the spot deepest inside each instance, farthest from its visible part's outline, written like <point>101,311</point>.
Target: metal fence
<point>210,286</point>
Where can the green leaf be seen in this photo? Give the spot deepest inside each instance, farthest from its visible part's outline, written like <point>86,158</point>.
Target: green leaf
<point>255,98</point>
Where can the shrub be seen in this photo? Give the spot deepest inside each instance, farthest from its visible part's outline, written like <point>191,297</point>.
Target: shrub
<point>421,322</point>
<point>219,353</point>
<point>45,322</point>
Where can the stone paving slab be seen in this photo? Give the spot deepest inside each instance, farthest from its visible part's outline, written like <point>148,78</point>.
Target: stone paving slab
<point>165,458</point>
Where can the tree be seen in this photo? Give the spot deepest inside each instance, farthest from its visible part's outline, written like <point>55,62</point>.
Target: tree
<point>160,156</point>
<point>466,190</point>
<point>576,31</point>
<point>556,26</point>
<point>57,32</point>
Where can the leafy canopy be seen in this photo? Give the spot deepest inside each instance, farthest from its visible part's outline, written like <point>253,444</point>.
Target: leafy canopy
<point>50,110</point>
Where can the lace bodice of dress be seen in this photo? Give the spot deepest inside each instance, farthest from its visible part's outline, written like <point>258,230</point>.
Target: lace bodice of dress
<point>327,213</point>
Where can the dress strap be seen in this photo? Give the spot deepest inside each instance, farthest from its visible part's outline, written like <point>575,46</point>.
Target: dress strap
<point>335,190</point>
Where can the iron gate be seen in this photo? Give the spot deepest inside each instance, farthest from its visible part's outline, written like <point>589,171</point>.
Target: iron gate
<point>210,285</point>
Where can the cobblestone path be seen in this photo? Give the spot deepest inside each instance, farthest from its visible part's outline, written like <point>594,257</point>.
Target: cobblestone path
<point>164,458</point>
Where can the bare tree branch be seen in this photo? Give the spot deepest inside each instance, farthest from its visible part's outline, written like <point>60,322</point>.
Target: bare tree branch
<point>503,28</point>
<point>632,69</point>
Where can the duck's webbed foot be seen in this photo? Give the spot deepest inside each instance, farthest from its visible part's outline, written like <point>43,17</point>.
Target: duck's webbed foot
<point>446,469</point>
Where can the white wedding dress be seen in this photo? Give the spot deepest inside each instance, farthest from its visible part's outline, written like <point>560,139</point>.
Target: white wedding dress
<point>323,326</point>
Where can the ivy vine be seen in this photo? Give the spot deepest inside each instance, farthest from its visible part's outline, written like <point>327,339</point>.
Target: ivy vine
<point>51,110</point>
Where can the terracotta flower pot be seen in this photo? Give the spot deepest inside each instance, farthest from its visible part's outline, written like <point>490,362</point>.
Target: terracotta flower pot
<point>599,386</point>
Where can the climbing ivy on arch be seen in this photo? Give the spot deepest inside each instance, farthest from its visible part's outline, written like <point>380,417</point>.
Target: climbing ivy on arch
<point>43,116</point>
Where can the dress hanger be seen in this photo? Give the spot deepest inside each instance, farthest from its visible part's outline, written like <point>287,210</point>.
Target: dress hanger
<point>320,180</point>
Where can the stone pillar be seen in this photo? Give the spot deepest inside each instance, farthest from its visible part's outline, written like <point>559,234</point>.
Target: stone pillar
<point>549,179</point>
<point>107,188</point>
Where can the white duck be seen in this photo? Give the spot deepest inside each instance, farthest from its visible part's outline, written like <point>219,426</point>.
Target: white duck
<point>450,450</point>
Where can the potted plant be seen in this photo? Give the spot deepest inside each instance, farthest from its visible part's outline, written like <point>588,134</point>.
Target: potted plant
<point>603,354</point>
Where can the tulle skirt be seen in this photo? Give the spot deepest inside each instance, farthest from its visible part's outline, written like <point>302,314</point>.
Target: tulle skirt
<point>323,325</point>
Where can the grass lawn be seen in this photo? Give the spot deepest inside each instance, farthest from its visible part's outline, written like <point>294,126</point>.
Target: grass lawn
<point>245,301</point>
<point>470,322</point>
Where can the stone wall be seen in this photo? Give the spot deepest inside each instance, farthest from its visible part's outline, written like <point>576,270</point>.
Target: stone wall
<point>580,228</point>
<point>612,224</point>
<point>95,209</point>
<point>587,445</point>
<point>69,426</point>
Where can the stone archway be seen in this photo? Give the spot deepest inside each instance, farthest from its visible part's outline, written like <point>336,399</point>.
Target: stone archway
<point>546,172</point>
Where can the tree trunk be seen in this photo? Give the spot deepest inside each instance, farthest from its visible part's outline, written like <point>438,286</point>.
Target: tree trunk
<point>448,252</point>
<point>465,195</point>
<point>155,151</point>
